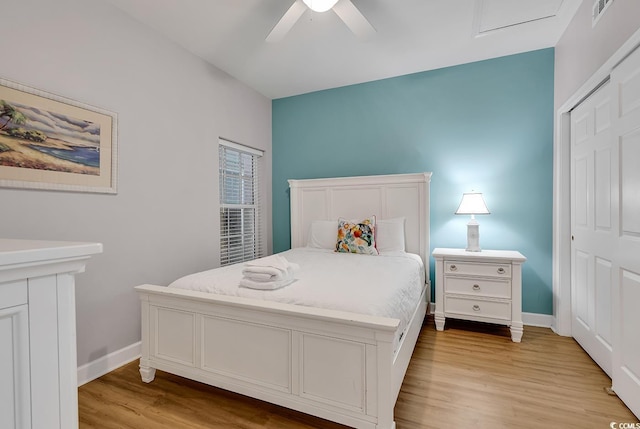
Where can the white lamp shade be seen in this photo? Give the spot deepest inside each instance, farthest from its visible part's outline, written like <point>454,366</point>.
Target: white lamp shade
<point>472,204</point>
<point>320,5</point>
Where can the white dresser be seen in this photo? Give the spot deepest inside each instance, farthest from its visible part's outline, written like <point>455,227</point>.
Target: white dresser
<point>483,286</point>
<point>38,370</point>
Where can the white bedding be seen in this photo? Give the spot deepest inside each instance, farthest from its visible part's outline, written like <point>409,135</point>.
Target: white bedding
<point>387,285</point>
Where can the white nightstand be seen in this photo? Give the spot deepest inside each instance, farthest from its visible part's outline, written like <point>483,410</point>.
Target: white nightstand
<point>482,286</point>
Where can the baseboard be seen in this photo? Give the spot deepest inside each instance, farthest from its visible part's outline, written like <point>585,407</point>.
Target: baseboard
<point>431,309</point>
<point>108,363</point>
<point>529,319</point>
<point>537,319</point>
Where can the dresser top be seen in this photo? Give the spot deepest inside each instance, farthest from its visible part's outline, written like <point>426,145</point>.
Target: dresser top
<point>14,251</point>
<point>495,255</point>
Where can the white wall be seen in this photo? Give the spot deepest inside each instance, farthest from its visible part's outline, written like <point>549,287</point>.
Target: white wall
<point>171,107</point>
<point>579,54</point>
<point>582,49</point>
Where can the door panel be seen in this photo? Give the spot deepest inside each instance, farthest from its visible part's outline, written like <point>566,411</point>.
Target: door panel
<point>630,350</point>
<point>625,80</point>
<point>603,189</point>
<point>603,301</point>
<point>630,184</point>
<point>582,299</point>
<point>581,192</point>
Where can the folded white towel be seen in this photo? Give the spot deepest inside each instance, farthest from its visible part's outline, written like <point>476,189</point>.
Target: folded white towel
<point>261,272</point>
<point>258,277</point>
<point>268,273</point>
<point>271,272</point>
<point>274,261</point>
<point>271,268</point>
<point>245,282</point>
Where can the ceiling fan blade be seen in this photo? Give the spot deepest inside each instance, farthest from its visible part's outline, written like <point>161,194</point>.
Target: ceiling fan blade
<point>287,21</point>
<point>354,19</point>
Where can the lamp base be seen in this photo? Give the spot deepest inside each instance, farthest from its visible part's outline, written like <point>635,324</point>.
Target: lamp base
<point>473,236</point>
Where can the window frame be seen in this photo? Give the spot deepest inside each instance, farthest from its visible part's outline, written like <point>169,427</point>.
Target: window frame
<point>241,237</point>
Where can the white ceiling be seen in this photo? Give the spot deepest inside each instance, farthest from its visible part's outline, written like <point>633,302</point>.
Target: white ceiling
<point>320,52</point>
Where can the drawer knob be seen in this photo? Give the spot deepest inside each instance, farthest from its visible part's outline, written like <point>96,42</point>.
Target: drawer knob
<point>453,267</point>
<point>476,307</point>
<point>476,287</point>
<point>501,270</point>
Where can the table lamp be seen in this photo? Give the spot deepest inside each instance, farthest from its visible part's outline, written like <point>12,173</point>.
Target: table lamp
<point>472,204</point>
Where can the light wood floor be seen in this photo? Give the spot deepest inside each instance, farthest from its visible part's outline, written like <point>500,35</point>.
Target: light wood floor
<point>469,376</point>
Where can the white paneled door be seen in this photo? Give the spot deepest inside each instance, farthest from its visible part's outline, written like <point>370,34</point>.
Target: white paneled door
<point>605,227</point>
<point>593,225</point>
<point>625,83</point>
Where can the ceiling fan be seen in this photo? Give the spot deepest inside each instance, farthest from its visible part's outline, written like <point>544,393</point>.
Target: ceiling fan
<point>345,9</point>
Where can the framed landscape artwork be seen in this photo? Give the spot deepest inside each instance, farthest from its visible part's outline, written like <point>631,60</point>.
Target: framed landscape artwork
<point>50,142</point>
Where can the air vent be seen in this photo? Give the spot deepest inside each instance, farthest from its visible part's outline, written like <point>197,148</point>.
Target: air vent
<point>599,8</point>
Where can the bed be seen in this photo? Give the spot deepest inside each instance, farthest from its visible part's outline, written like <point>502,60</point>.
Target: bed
<point>335,363</point>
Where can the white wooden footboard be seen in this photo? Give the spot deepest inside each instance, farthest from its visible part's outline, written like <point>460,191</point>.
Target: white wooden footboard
<point>335,365</point>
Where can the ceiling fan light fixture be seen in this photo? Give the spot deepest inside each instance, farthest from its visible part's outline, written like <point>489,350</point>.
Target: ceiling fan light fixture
<point>320,5</point>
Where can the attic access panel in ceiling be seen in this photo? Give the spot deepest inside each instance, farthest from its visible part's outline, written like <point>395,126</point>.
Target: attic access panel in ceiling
<point>492,15</point>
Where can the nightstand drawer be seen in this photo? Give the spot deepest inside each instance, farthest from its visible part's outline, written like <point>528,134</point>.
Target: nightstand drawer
<point>500,310</point>
<point>479,269</point>
<point>478,287</point>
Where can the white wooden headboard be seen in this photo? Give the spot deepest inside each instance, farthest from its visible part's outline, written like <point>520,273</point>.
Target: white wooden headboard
<point>387,197</point>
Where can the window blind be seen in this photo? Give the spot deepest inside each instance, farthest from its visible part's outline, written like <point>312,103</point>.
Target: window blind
<point>240,203</point>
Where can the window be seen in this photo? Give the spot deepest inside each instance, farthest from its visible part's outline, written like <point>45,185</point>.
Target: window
<point>240,219</point>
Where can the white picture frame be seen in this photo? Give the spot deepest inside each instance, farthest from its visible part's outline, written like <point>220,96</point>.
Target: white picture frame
<point>50,142</point>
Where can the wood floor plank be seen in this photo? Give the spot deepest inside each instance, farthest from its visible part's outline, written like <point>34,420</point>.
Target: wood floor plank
<point>470,375</point>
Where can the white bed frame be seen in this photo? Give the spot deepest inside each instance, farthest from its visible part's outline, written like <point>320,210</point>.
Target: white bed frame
<point>336,365</point>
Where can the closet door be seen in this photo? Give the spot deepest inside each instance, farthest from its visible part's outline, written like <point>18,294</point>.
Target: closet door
<point>625,82</point>
<point>594,212</point>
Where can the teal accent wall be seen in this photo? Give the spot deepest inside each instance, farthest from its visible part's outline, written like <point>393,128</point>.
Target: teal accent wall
<point>485,126</point>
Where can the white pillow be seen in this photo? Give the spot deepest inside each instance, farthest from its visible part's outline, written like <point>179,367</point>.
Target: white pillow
<point>390,235</point>
<point>323,234</point>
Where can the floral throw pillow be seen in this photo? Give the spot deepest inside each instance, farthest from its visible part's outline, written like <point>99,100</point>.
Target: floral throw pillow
<point>357,237</point>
